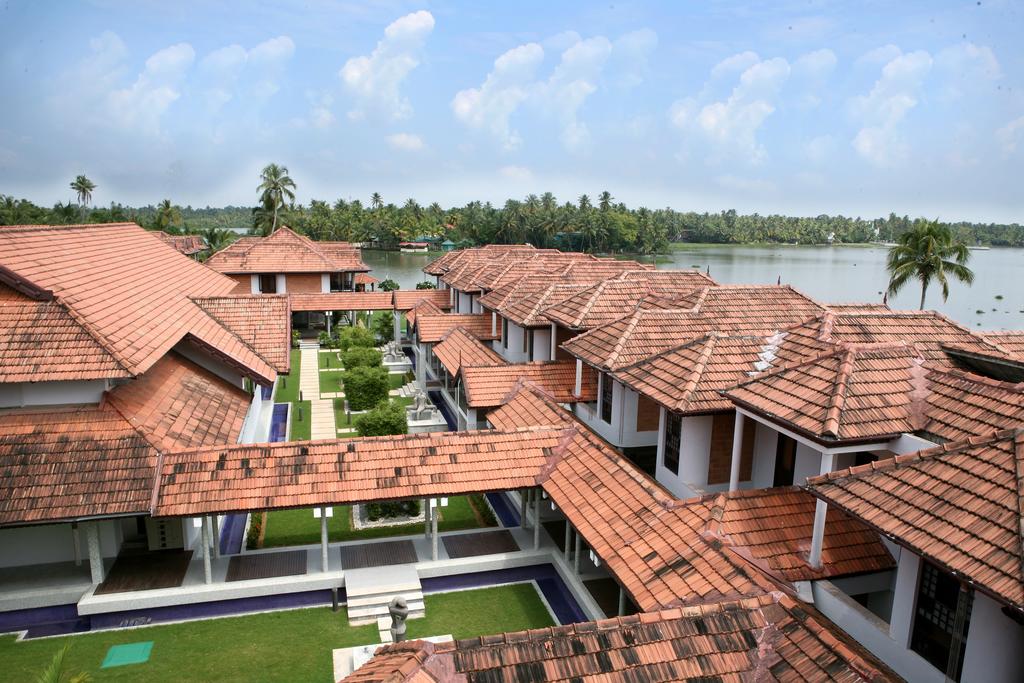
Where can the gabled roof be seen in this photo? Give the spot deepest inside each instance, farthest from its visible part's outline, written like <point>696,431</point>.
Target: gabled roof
<point>852,392</point>
<point>529,406</point>
<point>422,307</point>
<point>286,251</point>
<point>959,505</point>
<point>1012,341</point>
<point>342,301</point>
<point>961,405</point>
<point>528,310</point>
<point>772,529</point>
<point>733,309</point>
<point>128,289</point>
<point>505,294</point>
<point>767,637</point>
<point>459,348</point>
<point>489,386</point>
<point>186,244</point>
<point>406,299</point>
<point>610,299</point>
<point>432,328</point>
<point>262,321</point>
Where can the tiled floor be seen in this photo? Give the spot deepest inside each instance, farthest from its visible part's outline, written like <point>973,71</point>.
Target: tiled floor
<point>146,571</point>
<point>483,543</point>
<point>267,565</point>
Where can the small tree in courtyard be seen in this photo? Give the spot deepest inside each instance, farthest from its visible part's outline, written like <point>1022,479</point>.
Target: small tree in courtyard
<point>426,284</point>
<point>351,337</point>
<point>365,387</point>
<point>388,285</point>
<point>384,326</point>
<point>361,357</point>
<point>386,418</point>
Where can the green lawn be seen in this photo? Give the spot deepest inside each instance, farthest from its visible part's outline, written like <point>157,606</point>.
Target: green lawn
<point>292,645</point>
<point>329,360</point>
<point>301,421</point>
<point>299,527</point>
<point>330,381</point>
<point>288,385</point>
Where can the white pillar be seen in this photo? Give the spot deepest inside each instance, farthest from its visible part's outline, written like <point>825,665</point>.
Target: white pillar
<point>323,540</point>
<point>494,323</point>
<point>579,377</point>
<point>92,539</point>
<point>215,536</point>
<point>554,335</point>
<point>397,326</point>
<point>76,539</point>
<point>568,537</point>
<point>328,315</point>
<point>576,549</point>
<point>207,567</point>
<point>536,520</point>
<point>820,511</point>
<point>433,531</point>
<point>737,451</point>
<point>426,518</point>
<point>622,601</point>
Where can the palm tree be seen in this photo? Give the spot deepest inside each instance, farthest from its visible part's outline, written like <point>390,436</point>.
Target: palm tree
<point>274,187</point>
<point>604,201</point>
<point>54,672</point>
<point>168,216</point>
<point>376,201</point>
<point>218,238</point>
<point>928,252</point>
<point>83,187</point>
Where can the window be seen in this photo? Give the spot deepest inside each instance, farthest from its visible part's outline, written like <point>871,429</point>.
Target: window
<point>268,284</point>
<point>941,620</point>
<point>606,398</point>
<point>864,457</point>
<point>528,343</point>
<point>341,282</point>
<point>673,441</point>
<point>785,461</point>
<point>504,332</point>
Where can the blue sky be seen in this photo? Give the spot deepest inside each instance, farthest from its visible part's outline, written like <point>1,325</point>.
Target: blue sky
<point>801,107</point>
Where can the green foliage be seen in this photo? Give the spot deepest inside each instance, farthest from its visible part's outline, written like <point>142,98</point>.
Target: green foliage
<point>384,325</point>
<point>388,285</point>
<point>426,284</point>
<point>365,387</point>
<point>295,339</point>
<point>361,357</point>
<point>392,509</point>
<point>928,252</point>
<point>350,337</point>
<point>54,671</point>
<point>252,537</point>
<point>385,419</point>
<point>275,187</point>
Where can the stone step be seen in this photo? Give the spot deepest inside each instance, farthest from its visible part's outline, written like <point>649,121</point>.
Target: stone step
<point>384,598</point>
<point>370,615</point>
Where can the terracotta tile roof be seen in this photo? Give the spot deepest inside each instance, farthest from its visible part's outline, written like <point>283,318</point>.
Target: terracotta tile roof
<point>287,475</point>
<point>424,307</point>
<point>655,550</point>
<point>851,393</point>
<point>342,301</point>
<point>37,338</point>
<point>216,340</point>
<point>734,309</point>
<point>186,244</point>
<point>489,386</point>
<point>262,321</point>
<point>451,259</point>
<point>407,299</point>
<point>1012,341</point>
<point>459,348</point>
<point>765,637</point>
<point>432,328</point>
<point>127,288</point>
<point>960,405</point>
<point>960,505</point>
<point>528,310</point>
<point>286,251</point>
<point>364,279</point>
<point>609,300</point>
<point>59,463</point>
<point>505,294</point>
<point>529,406</point>
<point>180,405</point>
<point>772,529</point>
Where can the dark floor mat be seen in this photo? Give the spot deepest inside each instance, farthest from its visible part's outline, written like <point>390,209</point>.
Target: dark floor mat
<point>146,571</point>
<point>483,543</point>
<point>267,565</point>
<point>377,554</point>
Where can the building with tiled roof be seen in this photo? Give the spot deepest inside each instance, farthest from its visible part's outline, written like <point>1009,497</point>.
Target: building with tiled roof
<point>483,387</point>
<point>769,637</point>
<point>189,245</point>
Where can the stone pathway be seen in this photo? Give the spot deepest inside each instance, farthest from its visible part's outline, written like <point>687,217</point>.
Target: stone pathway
<point>321,410</point>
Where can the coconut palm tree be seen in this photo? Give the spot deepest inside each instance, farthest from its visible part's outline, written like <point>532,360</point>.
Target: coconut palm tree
<point>218,238</point>
<point>83,187</point>
<point>168,216</point>
<point>275,186</point>
<point>55,671</point>
<point>928,252</point>
<point>376,201</point>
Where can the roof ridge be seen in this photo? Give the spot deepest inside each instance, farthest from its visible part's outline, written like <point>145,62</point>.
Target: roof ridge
<point>626,334</point>
<point>230,331</point>
<point>1018,460</point>
<point>837,399</point>
<point>599,290</point>
<point>697,371</point>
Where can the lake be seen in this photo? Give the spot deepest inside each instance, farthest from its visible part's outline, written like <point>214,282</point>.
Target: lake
<point>829,274</point>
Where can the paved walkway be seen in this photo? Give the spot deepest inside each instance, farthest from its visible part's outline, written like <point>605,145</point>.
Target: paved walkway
<point>321,410</point>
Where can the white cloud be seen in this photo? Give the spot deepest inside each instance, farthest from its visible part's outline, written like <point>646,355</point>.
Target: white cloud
<point>375,80</point>
<point>735,64</point>
<point>273,51</point>
<point>143,103</point>
<point>818,149</point>
<point>508,84</point>
<point>571,83</point>
<point>879,56</point>
<point>222,69</point>
<point>893,95</point>
<point>966,68</point>
<point>518,174</point>
<point>1011,135</point>
<point>815,65</point>
<point>406,142</point>
<point>321,117</point>
<point>630,55</point>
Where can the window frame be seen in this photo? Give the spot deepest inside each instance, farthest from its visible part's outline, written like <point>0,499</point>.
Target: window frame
<point>262,278</point>
<point>607,398</point>
<point>924,626</point>
<point>673,443</point>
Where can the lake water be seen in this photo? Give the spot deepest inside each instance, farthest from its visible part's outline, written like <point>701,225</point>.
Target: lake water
<point>829,274</point>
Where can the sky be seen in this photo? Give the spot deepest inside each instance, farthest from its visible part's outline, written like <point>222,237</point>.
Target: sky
<point>800,107</point>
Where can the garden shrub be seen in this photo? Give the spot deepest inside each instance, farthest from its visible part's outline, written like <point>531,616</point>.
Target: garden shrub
<point>361,357</point>
<point>391,509</point>
<point>350,337</point>
<point>426,285</point>
<point>385,419</point>
<point>388,285</point>
<point>252,538</point>
<point>365,387</point>
<point>384,326</point>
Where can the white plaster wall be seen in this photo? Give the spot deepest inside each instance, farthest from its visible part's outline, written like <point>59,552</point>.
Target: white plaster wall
<point>541,344</point>
<point>39,545</point>
<point>904,597</point>
<point>201,359</point>
<point>908,443</point>
<point>694,451</point>
<point>465,303</point>
<point>514,353</point>
<point>995,644</point>
<point>256,428</point>
<point>807,463</point>
<point>20,394</point>
<point>766,441</point>
<point>281,283</point>
<point>474,301</point>
<point>254,283</point>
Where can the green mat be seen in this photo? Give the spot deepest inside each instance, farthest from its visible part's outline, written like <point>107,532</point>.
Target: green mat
<point>129,653</point>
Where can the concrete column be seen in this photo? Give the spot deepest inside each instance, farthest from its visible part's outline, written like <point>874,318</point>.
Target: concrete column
<point>207,566</point>
<point>92,539</point>
<point>568,537</point>
<point>523,495</point>
<point>76,539</point>
<point>433,532</point>
<point>576,549</point>
<point>323,540</point>
<point>536,520</point>
<point>397,326</point>
<point>579,377</point>
<point>494,323</point>
<point>328,315</point>
<point>820,511</point>
<point>426,518</point>
<point>622,601</point>
<point>737,451</point>
<point>215,536</point>
<point>554,334</point>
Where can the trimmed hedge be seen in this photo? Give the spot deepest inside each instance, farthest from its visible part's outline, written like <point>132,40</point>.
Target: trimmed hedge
<point>361,357</point>
<point>351,337</point>
<point>365,387</point>
<point>385,419</point>
<point>391,509</point>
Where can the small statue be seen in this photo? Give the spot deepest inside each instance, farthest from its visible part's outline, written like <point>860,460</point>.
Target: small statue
<point>399,611</point>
